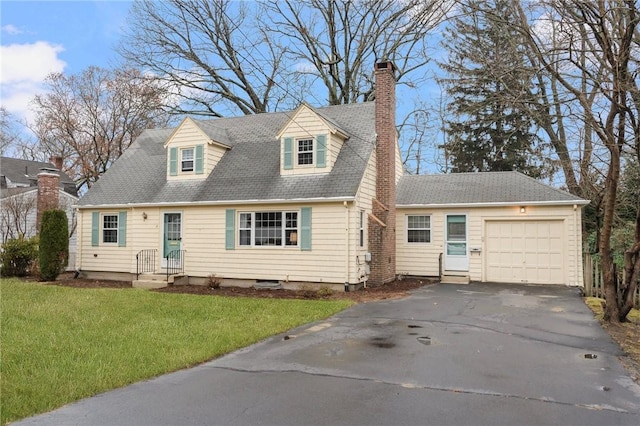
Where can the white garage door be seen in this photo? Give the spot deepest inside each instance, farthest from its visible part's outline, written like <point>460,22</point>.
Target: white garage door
<point>525,251</point>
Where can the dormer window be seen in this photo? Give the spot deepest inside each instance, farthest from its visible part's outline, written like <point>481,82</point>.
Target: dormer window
<point>186,156</point>
<point>305,152</point>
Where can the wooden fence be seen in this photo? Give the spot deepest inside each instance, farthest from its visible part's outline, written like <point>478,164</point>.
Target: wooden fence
<point>593,281</point>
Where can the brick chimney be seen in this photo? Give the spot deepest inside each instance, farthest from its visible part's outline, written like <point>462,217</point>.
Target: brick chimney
<point>382,221</point>
<point>56,161</point>
<point>48,192</point>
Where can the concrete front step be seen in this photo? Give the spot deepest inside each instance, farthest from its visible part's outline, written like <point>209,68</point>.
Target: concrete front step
<point>153,277</point>
<point>150,284</point>
<point>159,280</point>
<point>455,279</point>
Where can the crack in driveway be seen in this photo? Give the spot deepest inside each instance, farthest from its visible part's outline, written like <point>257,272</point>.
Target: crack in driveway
<point>461,391</point>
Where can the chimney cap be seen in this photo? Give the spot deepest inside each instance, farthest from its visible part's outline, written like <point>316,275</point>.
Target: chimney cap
<point>385,65</point>
<point>48,170</point>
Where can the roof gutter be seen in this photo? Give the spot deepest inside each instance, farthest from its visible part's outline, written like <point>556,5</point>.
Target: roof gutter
<point>496,204</point>
<point>221,203</point>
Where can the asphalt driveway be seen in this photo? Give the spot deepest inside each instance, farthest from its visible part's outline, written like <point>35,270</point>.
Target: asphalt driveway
<point>449,354</point>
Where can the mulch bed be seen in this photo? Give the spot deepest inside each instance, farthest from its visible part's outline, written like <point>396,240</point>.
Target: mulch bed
<point>393,290</point>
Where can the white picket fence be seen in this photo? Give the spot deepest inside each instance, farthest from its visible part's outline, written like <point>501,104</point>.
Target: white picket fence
<point>594,283</point>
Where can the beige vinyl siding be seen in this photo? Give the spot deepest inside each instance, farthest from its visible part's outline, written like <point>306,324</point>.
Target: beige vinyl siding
<point>212,155</point>
<point>422,258</point>
<point>305,124</point>
<point>203,238</point>
<point>399,165</point>
<point>419,258</point>
<point>105,258</point>
<point>204,241</point>
<point>188,135</point>
<point>364,197</point>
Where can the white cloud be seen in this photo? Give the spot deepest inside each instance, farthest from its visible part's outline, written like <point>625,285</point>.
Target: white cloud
<point>23,69</point>
<point>11,29</point>
<point>305,67</point>
<point>29,62</point>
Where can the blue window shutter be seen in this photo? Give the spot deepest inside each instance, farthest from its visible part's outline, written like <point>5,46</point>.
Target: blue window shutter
<point>173,161</point>
<point>122,229</point>
<point>230,231</point>
<point>288,153</point>
<point>199,159</point>
<point>95,228</point>
<point>305,228</point>
<point>321,151</point>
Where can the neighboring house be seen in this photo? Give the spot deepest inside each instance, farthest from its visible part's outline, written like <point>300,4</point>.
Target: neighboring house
<point>27,188</point>
<point>309,196</point>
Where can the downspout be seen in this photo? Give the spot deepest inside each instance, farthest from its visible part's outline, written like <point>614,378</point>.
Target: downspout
<point>578,243</point>
<point>79,235</point>
<point>347,230</point>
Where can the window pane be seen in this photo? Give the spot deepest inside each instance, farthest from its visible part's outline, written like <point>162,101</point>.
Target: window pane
<point>419,236</point>
<point>110,229</point>
<point>305,151</point>
<point>187,160</point>
<point>456,249</point>
<point>245,229</point>
<point>245,220</point>
<point>291,229</point>
<point>419,229</point>
<point>456,228</point>
<point>245,237</point>
<point>419,222</point>
<point>268,229</point>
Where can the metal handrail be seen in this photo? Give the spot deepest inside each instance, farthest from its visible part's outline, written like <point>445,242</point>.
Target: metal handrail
<point>145,261</point>
<point>175,262</point>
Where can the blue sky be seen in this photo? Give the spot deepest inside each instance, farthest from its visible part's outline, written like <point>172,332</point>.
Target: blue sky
<point>41,37</point>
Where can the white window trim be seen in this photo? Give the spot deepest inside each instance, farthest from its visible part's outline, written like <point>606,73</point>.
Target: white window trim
<point>361,231</point>
<point>312,152</point>
<point>418,229</point>
<point>102,229</point>
<point>193,159</point>
<point>283,231</point>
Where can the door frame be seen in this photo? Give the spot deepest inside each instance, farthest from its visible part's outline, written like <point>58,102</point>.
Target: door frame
<point>163,260</point>
<point>458,263</point>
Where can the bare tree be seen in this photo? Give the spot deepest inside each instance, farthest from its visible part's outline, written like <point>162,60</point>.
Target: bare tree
<point>8,133</point>
<point>337,41</point>
<point>212,54</point>
<point>413,142</point>
<point>17,216</point>
<point>91,118</point>
<point>603,54</point>
<point>225,57</point>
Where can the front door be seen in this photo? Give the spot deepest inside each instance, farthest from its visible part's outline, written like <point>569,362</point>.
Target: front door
<point>172,239</point>
<point>456,252</point>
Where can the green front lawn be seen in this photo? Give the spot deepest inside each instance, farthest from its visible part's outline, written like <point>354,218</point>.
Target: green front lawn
<point>60,344</point>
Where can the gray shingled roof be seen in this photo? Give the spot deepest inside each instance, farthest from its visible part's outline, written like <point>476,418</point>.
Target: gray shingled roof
<point>25,173</point>
<point>249,171</point>
<point>478,188</point>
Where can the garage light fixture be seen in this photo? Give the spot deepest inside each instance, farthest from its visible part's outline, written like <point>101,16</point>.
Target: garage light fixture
<point>523,209</point>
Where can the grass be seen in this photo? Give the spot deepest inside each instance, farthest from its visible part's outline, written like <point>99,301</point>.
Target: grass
<point>595,303</point>
<point>625,334</point>
<point>60,344</point>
